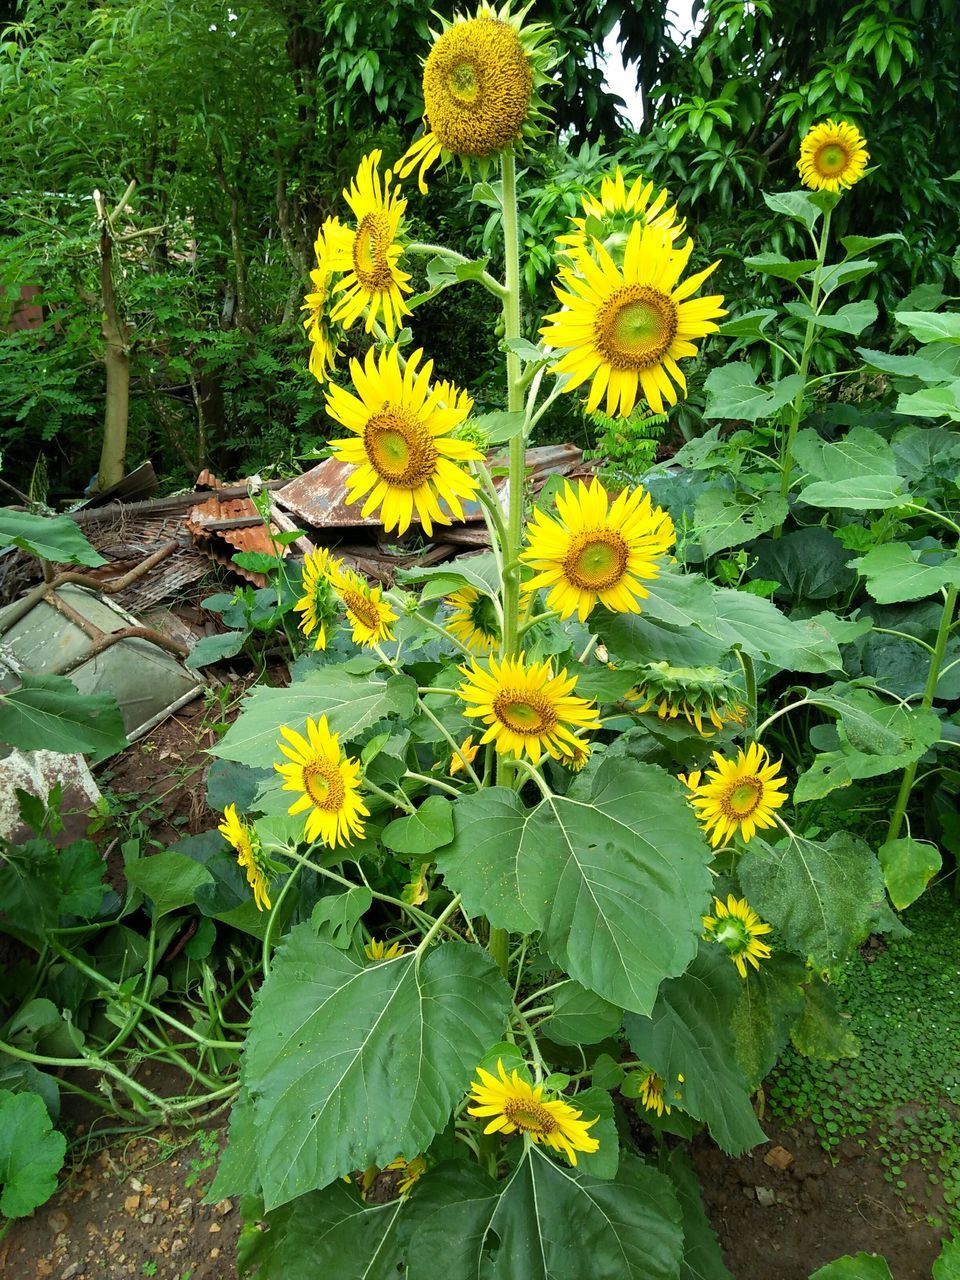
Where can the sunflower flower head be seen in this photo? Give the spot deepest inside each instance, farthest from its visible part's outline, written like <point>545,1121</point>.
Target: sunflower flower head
<point>316,602</point>
<point>327,782</point>
<point>577,757</point>
<point>833,156</point>
<point>473,620</point>
<point>467,751</point>
<point>317,323</point>
<point>597,551</point>
<point>736,926</point>
<point>481,89</point>
<point>378,950</point>
<point>250,855</point>
<point>367,613</point>
<point>406,457</point>
<point>515,1106</point>
<point>411,1171</point>
<point>610,216</point>
<point>625,328</point>
<point>703,696</point>
<point>738,795</point>
<point>528,710</point>
<point>367,256</point>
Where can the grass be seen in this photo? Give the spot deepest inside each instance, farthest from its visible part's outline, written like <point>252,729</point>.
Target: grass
<point>901,1095</point>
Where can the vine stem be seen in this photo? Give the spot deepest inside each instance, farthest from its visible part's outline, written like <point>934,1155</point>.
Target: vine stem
<point>933,676</point>
<point>786,457</point>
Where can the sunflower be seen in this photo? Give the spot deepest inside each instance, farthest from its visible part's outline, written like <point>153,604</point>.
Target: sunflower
<point>832,156</point>
<point>611,215</point>
<point>317,324</point>
<point>369,254</point>
<point>405,456</point>
<point>737,927</point>
<point>597,551</point>
<point>314,604</point>
<point>697,694</point>
<point>250,855</point>
<point>480,89</point>
<point>651,1093</point>
<point>377,950</point>
<point>577,756</point>
<point>328,781</point>
<point>411,1172</point>
<point>474,620</point>
<point>741,793</point>
<point>529,710</point>
<point>515,1105</point>
<point>467,751</point>
<point>370,618</point>
<point>627,328</point>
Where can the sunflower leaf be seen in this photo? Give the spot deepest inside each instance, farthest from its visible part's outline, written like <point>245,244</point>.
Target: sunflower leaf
<point>616,885</point>
<point>30,1154</point>
<point>391,1046</point>
<point>733,393</point>
<point>534,1224</point>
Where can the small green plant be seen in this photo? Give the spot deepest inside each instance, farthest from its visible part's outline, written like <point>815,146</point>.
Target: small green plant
<point>209,1145</point>
<point>626,447</point>
<point>149,1268</point>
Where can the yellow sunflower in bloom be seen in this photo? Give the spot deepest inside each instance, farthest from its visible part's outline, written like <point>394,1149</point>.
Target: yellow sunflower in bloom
<point>370,618</point>
<point>528,709</point>
<point>651,1093</point>
<point>325,349</point>
<point>597,551</point>
<point>368,256</point>
<point>833,156</point>
<point>314,604</point>
<point>480,89</point>
<point>377,950</point>
<point>626,328</point>
<point>738,794</point>
<point>611,215</point>
<point>250,855</point>
<point>328,783</point>
<point>411,1170</point>
<point>405,456</point>
<point>474,620</point>
<point>467,751</point>
<point>516,1106</point>
<point>737,927</point>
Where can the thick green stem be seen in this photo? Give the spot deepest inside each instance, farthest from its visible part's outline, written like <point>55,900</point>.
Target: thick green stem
<point>933,676</point>
<point>786,456</point>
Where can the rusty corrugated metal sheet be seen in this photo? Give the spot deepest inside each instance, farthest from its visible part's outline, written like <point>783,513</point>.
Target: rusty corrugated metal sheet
<point>221,543</point>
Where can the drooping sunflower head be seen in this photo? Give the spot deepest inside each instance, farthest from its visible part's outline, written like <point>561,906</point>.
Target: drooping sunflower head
<point>250,855</point>
<point>316,604</point>
<point>403,449</point>
<point>578,755</point>
<point>736,926</point>
<point>698,694</point>
<point>738,795</point>
<point>379,950</point>
<point>528,710</point>
<point>833,156</point>
<point>597,551</point>
<point>474,620</point>
<point>481,88</point>
<point>512,1105</point>
<point>367,613</point>
<point>651,1093</point>
<point>317,322</point>
<point>626,328</point>
<point>611,216</point>
<point>465,754</point>
<point>368,255</point>
<point>411,1171</point>
<point>328,783</point>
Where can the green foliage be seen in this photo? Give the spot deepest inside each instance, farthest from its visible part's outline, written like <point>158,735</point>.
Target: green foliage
<point>48,714</point>
<point>30,1154</point>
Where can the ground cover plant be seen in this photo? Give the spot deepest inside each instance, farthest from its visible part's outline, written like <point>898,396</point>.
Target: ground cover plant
<point>543,857</point>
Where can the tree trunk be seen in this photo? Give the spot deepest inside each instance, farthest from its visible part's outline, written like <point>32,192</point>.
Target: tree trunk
<point>116,361</point>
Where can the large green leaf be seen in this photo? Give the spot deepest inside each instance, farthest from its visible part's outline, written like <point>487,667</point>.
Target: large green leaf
<point>351,702</point>
<point>947,1266</point>
<point>733,393</point>
<point>580,1016</point>
<point>327,1233</point>
<point>860,452</point>
<point>351,1064</point>
<point>821,896</point>
<point>759,628</point>
<point>857,493</point>
<point>724,519</point>
<point>860,1266</point>
<point>795,204</point>
<point>48,714</point>
<point>429,828</point>
<point>170,879</point>
<point>895,572</point>
<point>932,402</point>
<point>54,538</point>
<point>851,318</point>
<point>546,1222</point>
<point>809,564</point>
<point>31,1154</point>
<point>615,885</point>
<point>908,867</point>
<point>931,326</point>
<point>775,264</point>
<point>770,1002</point>
<point>702,1259</point>
<point>689,1034</point>
<point>822,1031</point>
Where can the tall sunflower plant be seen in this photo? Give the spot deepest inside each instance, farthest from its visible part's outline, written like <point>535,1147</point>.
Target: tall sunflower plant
<point>533,910</point>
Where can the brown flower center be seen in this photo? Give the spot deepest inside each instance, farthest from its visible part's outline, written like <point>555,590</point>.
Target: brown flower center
<point>529,1116</point>
<point>635,327</point>
<point>527,712</point>
<point>742,797</point>
<point>597,559</point>
<point>362,608</point>
<point>324,785</point>
<point>400,448</point>
<point>370,245</point>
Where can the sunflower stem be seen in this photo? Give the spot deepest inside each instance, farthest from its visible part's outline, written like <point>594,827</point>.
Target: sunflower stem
<point>274,916</point>
<point>750,686</point>
<point>786,458</point>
